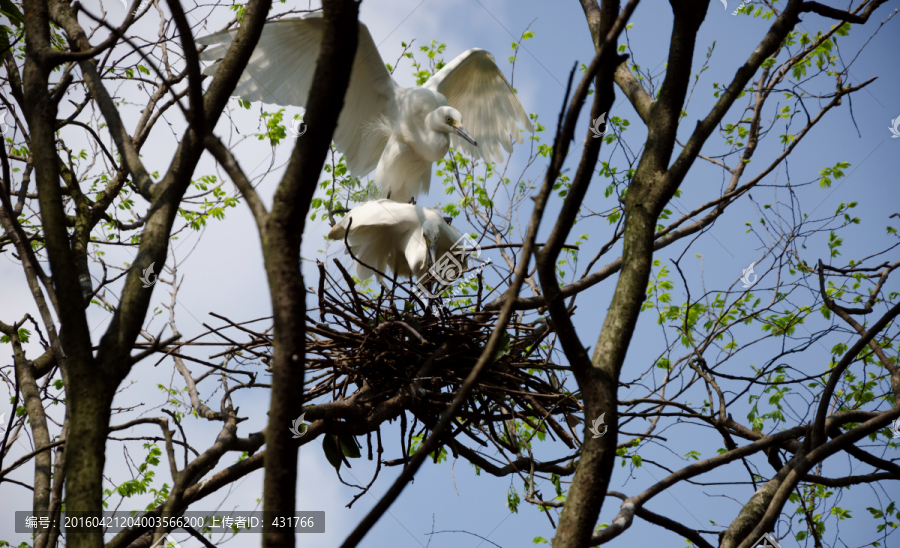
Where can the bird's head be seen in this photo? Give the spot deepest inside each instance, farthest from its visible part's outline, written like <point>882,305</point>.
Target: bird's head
<point>449,120</point>
<point>430,233</point>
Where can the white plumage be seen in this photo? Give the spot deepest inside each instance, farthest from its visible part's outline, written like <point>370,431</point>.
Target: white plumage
<point>399,132</point>
<point>403,238</point>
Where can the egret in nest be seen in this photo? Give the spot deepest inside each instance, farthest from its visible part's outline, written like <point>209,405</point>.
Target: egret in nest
<point>398,132</point>
<point>405,238</point>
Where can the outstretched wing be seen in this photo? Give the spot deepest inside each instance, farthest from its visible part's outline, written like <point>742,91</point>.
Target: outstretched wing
<point>490,110</point>
<point>280,72</point>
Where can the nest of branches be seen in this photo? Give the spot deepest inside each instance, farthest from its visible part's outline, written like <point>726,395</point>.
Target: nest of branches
<point>392,344</point>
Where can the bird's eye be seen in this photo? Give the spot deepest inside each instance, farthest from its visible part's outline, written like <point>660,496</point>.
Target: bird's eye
<point>449,120</point>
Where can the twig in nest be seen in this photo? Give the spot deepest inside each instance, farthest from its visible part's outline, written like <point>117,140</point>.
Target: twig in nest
<point>350,284</point>
<point>409,328</point>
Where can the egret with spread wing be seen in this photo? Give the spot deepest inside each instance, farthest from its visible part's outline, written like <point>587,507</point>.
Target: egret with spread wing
<point>398,132</point>
<point>405,238</point>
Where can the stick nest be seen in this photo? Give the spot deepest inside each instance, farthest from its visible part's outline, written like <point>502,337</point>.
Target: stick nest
<point>393,344</point>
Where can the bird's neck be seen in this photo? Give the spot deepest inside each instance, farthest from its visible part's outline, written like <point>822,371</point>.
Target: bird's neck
<point>432,145</point>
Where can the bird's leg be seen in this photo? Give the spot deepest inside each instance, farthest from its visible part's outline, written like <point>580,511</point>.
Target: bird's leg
<point>388,195</point>
<point>412,201</point>
<point>396,276</point>
<point>432,284</point>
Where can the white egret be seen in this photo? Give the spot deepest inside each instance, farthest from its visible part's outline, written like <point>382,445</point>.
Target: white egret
<point>399,132</point>
<point>405,238</point>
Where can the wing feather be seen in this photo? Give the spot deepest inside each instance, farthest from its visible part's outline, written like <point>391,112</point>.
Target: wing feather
<point>491,112</point>
<point>387,235</point>
<point>280,72</point>
<point>382,234</point>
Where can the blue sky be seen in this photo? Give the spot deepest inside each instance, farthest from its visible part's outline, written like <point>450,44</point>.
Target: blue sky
<point>223,270</point>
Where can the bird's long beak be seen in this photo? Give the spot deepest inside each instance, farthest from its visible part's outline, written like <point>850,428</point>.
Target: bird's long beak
<point>461,131</point>
<point>432,256</point>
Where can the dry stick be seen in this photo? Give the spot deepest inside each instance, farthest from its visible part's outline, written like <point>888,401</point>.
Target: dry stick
<point>350,284</point>
<point>405,325</point>
<point>237,325</point>
<point>377,465</point>
<point>321,268</point>
<point>25,458</point>
<point>480,288</point>
<point>247,348</point>
<point>498,246</point>
<point>12,417</point>
<point>378,306</point>
<point>403,435</point>
<point>493,343</point>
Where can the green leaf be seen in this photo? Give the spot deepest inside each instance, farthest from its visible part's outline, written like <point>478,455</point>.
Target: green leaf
<point>555,480</point>
<point>10,10</point>
<point>23,336</point>
<point>349,446</point>
<point>4,46</point>
<point>332,452</point>
<point>503,349</point>
<point>512,500</point>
